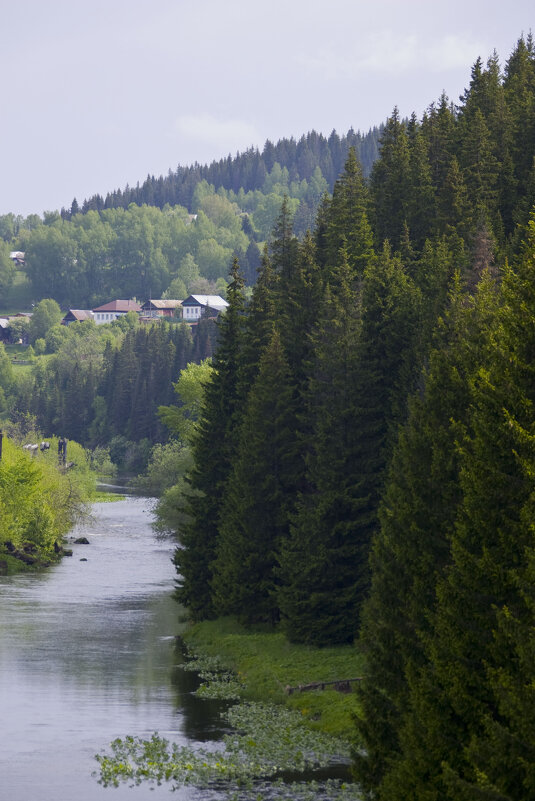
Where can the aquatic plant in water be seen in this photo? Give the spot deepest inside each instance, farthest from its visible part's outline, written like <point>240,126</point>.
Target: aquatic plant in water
<point>268,741</point>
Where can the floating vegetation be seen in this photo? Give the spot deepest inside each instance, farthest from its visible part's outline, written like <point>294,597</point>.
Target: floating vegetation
<point>269,743</point>
<point>221,686</point>
<point>218,682</point>
<point>275,736</point>
<point>202,664</point>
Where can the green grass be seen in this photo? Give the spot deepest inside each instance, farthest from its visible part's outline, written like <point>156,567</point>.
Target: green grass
<point>21,368</point>
<point>18,566</point>
<point>106,497</point>
<point>20,296</point>
<point>268,663</point>
<point>17,351</point>
<point>17,354</point>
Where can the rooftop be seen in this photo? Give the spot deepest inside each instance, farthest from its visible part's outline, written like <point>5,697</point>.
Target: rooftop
<point>119,306</point>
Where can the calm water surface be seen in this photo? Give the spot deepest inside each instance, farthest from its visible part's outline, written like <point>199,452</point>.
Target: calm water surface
<point>87,654</point>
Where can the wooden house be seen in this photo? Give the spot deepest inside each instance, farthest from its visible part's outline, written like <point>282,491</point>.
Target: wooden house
<point>197,306</point>
<point>162,308</point>
<point>77,316</point>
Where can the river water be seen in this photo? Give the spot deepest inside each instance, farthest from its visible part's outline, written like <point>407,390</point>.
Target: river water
<point>88,654</point>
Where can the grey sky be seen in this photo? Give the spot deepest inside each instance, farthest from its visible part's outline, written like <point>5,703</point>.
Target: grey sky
<point>96,95</point>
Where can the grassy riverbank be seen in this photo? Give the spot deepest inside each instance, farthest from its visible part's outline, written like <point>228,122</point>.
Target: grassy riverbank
<point>267,664</point>
<point>278,743</point>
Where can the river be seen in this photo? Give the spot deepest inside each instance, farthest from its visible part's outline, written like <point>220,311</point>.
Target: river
<point>87,654</point>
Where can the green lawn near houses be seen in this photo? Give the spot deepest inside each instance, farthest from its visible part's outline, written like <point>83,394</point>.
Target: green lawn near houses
<point>19,297</point>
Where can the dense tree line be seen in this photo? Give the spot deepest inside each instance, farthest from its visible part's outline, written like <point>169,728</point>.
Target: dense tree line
<point>363,463</point>
<point>138,252</point>
<point>103,385</point>
<point>247,171</point>
<point>144,241</point>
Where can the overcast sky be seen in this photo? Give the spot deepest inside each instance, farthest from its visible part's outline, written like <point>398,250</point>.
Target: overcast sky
<point>98,94</point>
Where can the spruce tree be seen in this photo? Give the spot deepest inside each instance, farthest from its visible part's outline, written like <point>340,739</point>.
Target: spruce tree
<point>484,621</point>
<point>259,495</point>
<point>454,208</point>
<point>390,183</point>
<point>519,88</point>
<point>363,348</point>
<point>438,127</point>
<point>409,555</point>
<point>213,448</point>
<point>260,319</point>
<point>321,561</point>
<point>421,202</point>
<point>347,220</point>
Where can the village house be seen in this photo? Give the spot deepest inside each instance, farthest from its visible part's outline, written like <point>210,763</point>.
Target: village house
<point>6,333</point>
<point>162,308</point>
<point>77,316</point>
<point>4,329</point>
<point>111,311</point>
<point>17,257</point>
<point>196,306</point>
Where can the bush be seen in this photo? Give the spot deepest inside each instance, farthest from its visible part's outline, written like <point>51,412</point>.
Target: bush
<point>38,501</point>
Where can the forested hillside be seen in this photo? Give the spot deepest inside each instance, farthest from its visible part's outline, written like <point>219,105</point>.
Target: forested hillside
<point>102,385</point>
<point>361,470</point>
<point>364,463</point>
<point>176,235</point>
<point>313,155</point>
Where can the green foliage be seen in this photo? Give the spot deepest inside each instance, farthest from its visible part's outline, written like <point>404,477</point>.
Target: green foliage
<point>38,501</point>
<point>46,314</point>
<point>7,273</point>
<point>258,495</point>
<point>182,420</point>
<point>101,461</point>
<point>168,463</point>
<point>176,290</point>
<point>18,329</point>
<point>6,370</point>
<point>271,741</point>
<point>212,449</point>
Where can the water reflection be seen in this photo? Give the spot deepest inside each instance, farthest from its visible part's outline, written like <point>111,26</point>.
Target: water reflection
<point>202,718</point>
<point>88,653</point>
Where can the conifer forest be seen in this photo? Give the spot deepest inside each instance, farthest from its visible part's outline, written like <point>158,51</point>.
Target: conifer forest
<point>358,463</point>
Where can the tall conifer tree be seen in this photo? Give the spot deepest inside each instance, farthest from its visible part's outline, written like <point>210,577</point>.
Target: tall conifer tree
<point>322,561</point>
<point>484,622</point>
<point>347,226</point>
<point>258,496</point>
<point>390,183</point>
<point>409,554</point>
<point>213,449</point>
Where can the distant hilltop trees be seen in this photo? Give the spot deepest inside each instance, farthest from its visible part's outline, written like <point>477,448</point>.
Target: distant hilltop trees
<point>246,171</point>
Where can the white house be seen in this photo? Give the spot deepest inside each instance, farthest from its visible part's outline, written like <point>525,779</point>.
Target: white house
<point>111,311</point>
<point>202,305</point>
